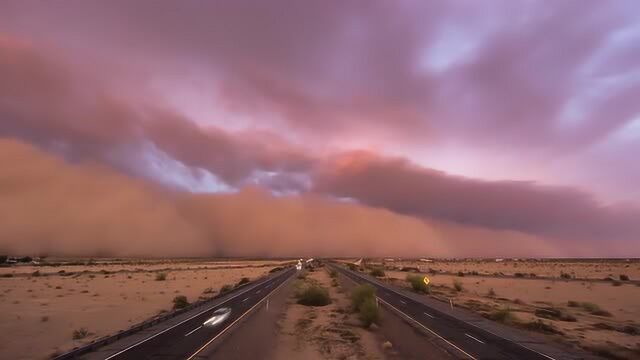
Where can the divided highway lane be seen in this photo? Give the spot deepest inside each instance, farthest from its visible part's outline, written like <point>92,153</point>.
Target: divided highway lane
<point>471,341</point>
<point>185,340</point>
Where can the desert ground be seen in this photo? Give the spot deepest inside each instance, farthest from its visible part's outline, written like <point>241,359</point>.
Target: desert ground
<point>324,332</point>
<point>581,309</point>
<point>42,306</point>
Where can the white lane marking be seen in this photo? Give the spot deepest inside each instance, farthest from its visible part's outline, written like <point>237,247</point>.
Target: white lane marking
<point>476,339</point>
<point>258,292</point>
<point>238,319</point>
<point>431,331</point>
<point>194,330</point>
<point>429,315</point>
<point>468,323</point>
<point>403,302</point>
<point>184,321</point>
<point>426,328</point>
<point>245,299</point>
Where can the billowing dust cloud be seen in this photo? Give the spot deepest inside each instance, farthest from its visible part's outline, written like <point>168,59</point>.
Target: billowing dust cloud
<point>48,206</point>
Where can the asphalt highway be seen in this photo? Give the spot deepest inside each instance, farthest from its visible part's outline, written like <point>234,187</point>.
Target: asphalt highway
<point>469,340</point>
<point>188,338</point>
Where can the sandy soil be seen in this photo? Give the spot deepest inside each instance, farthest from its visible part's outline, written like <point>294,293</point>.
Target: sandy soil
<point>327,332</point>
<point>38,314</point>
<point>582,269</point>
<point>133,266</point>
<point>524,296</point>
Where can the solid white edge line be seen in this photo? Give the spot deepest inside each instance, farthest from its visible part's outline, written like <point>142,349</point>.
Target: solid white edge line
<point>417,322</point>
<point>192,331</point>
<point>233,323</point>
<point>476,326</point>
<point>429,315</point>
<point>474,338</point>
<point>194,316</point>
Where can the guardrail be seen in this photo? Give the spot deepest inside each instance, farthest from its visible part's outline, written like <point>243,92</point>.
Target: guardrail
<point>109,339</point>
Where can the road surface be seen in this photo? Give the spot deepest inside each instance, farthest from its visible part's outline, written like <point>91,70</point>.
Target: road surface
<point>188,338</point>
<point>469,340</point>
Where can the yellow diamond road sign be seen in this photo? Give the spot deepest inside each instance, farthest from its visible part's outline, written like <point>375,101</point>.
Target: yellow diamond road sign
<point>426,280</point>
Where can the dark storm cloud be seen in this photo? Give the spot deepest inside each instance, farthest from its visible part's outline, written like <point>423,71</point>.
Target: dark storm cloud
<point>403,187</point>
<point>42,101</point>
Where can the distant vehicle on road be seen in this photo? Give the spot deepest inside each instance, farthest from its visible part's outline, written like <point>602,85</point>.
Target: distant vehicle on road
<point>218,317</point>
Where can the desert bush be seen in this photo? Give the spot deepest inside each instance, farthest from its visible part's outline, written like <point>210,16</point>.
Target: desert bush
<point>36,273</point>
<point>594,309</point>
<point>554,314</point>
<point>458,286</point>
<point>314,295</point>
<point>363,300</point>
<point>565,275</point>
<point>502,315</point>
<point>491,292</point>
<point>603,326</point>
<point>8,275</point>
<point>572,303</point>
<point>377,272</point>
<point>629,329</point>
<point>368,313</point>
<point>161,276</point>
<point>360,293</point>
<point>601,312</point>
<point>225,288</point>
<point>590,307</point>
<point>80,334</point>
<point>624,277</point>
<point>244,280</point>
<point>44,319</point>
<point>542,327</point>
<point>518,275</point>
<point>3,259</point>
<point>352,267</point>
<point>276,269</point>
<point>460,273</point>
<point>333,273</point>
<point>180,302</point>
<point>417,284</point>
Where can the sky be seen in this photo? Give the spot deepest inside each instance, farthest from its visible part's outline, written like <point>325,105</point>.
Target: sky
<point>322,128</point>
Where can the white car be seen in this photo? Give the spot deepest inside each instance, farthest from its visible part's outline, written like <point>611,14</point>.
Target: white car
<point>218,317</point>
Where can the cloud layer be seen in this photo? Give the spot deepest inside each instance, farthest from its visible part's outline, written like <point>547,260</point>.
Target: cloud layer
<point>534,104</point>
<point>50,207</point>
